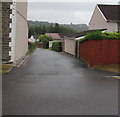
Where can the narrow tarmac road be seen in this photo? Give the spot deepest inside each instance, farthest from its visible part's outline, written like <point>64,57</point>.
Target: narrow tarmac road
<point>52,83</point>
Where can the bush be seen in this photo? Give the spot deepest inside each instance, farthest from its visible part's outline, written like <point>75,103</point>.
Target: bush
<point>99,35</point>
<point>31,46</point>
<point>45,39</point>
<point>94,35</point>
<point>57,46</point>
<point>107,35</point>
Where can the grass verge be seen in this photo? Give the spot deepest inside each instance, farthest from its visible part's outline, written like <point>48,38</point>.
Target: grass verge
<point>5,68</point>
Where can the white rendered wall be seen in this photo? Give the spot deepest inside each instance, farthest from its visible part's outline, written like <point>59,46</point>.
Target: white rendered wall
<point>112,27</point>
<point>13,33</point>
<point>19,32</point>
<point>70,46</point>
<point>97,20</point>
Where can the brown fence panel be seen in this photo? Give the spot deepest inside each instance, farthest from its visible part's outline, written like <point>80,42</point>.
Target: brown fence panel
<point>39,44</point>
<point>100,52</point>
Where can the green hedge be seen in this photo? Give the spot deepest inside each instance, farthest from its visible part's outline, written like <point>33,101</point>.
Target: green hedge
<point>98,35</point>
<point>31,46</point>
<point>45,40</point>
<point>57,46</point>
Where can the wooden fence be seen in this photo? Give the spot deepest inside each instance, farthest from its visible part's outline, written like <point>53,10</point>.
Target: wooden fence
<point>100,52</point>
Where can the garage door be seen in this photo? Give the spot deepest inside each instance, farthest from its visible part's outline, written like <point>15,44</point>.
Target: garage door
<point>70,46</point>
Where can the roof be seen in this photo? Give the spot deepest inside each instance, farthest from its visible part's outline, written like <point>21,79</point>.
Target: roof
<point>110,11</point>
<point>36,36</point>
<point>53,35</point>
<point>32,37</point>
<point>83,33</point>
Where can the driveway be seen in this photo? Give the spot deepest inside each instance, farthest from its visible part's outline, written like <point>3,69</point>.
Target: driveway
<point>51,83</point>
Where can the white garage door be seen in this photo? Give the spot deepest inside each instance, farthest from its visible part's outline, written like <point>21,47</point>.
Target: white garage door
<point>70,46</point>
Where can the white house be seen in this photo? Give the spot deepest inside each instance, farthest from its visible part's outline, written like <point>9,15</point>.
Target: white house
<point>19,33</point>
<point>32,39</point>
<point>105,17</point>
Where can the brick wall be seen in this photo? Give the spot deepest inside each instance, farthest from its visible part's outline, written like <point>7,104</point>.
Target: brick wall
<point>6,11</point>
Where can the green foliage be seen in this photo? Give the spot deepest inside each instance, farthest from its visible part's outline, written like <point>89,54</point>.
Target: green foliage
<point>98,35</point>
<point>31,46</point>
<point>94,35</point>
<point>38,28</point>
<point>75,27</point>
<point>45,39</point>
<point>56,28</point>
<point>82,40</point>
<point>57,46</point>
<point>108,35</point>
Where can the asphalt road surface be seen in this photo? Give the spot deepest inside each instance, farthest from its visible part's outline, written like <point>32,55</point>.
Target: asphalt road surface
<point>51,83</point>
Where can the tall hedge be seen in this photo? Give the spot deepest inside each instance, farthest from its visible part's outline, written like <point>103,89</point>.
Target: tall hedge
<point>57,46</point>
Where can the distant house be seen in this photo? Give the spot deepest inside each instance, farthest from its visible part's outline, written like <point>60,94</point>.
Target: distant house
<point>55,36</point>
<point>32,39</point>
<point>105,16</point>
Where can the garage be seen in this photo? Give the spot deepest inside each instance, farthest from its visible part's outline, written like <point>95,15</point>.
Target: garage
<point>70,46</point>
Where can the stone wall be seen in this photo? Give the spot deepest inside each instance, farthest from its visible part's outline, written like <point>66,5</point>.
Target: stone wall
<point>6,20</point>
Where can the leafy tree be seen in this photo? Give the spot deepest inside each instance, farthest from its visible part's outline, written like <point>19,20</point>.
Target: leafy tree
<point>35,28</point>
<point>50,29</point>
<point>45,39</point>
<point>56,28</point>
<point>43,31</point>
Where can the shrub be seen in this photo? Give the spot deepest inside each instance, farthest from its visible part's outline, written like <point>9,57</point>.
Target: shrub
<point>82,40</point>
<point>31,46</point>
<point>107,35</point>
<point>57,46</point>
<point>94,35</point>
<point>99,35</point>
<point>45,39</point>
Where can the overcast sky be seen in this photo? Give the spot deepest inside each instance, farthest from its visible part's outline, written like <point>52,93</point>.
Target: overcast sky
<point>62,11</point>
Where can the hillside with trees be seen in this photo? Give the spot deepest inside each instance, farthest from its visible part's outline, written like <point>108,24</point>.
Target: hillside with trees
<point>37,28</point>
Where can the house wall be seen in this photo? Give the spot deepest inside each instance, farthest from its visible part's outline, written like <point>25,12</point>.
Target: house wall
<point>119,26</point>
<point>70,46</point>
<point>20,32</point>
<point>6,20</point>
<point>100,52</point>
<point>97,21</point>
<point>112,27</point>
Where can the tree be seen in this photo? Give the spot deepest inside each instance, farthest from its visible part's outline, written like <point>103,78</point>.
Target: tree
<point>56,28</point>
<point>43,31</point>
<point>45,39</point>
<point>50,29</point>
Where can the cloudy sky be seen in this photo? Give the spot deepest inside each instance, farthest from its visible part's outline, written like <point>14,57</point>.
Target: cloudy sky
<point>62,11</point>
